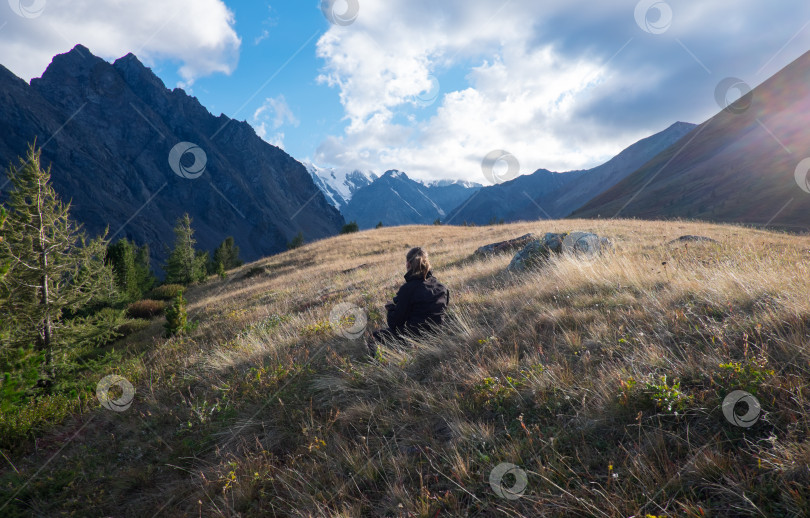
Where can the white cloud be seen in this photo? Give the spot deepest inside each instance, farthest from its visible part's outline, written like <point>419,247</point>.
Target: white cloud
<point>197,34</point>
<point>261,37</point>
<point>272,115</point>
<point>270,22</point>
<point>560,84</point>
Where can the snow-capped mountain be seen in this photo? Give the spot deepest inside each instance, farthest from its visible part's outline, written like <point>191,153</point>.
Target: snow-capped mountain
<point>339,185</point>
<point>395,199</point>
<point>448,183</point>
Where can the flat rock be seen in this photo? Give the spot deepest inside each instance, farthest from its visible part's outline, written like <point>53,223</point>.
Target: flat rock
<point>505,246</point>
<point>692,239</point>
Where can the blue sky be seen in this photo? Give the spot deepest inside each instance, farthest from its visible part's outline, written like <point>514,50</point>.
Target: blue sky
<point>432,87</point>
<point>277,61</point>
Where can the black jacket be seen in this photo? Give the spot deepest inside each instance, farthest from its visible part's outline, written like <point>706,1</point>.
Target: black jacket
<point>418,302</point>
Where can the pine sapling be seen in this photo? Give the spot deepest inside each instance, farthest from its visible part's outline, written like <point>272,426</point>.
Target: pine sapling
<point>176,316</point>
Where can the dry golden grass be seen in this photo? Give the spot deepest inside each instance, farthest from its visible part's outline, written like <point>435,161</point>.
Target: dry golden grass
<point>601,378</point>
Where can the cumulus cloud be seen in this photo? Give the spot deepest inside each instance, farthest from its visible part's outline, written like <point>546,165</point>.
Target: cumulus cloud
<point>560,84</point>
<point>197,34</point>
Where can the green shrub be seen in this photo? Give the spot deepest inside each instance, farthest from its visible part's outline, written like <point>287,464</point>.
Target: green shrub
<point>253,271</point>
<point>166,291</point>
<point>131,326</point>
<point>147,308</point>
<point>747,375</point>
<point>654,392</point>
<point>26,420</point>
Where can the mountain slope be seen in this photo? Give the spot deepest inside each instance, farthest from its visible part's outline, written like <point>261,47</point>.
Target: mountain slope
<point>548,195</point>
<point>739,166</point>
<point>108,130</point>
<point>396,199</point>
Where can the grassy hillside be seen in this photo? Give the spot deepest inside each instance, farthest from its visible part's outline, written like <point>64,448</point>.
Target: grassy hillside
<point>600,379</point>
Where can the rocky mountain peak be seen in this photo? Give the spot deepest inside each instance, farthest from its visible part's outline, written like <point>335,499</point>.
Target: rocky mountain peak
<point>109,130</point>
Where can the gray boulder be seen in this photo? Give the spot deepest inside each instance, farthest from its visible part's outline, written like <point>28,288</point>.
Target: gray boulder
<point>585,243</point>
<point>540,250</point>
<point>537,251</point>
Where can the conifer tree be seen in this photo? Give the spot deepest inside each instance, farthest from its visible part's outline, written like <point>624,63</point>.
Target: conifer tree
<point>144,276</point>
<point>54,271</point>
<point>349,228</point>
<point>130,264</point>
<point>226,254</point>
<point>185,265</point>
<point>296,242</point>
<point>121,256</point>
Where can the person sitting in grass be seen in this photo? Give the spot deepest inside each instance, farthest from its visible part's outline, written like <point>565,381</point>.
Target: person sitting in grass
<point>419,304</point>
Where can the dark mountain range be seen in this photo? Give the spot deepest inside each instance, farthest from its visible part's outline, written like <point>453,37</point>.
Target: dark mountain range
<point>742,165</point>
<point>115,136</point>
<point>549,195</point>
<point>395,199</point>
<point>449,194</point>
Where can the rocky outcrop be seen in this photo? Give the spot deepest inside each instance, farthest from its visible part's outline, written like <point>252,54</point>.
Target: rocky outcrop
<point>538,251</point>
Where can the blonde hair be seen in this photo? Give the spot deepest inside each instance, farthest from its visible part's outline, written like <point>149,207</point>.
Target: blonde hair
<point>418,263</point>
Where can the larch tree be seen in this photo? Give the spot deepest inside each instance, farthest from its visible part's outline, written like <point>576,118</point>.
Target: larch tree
<point>53,269</point>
